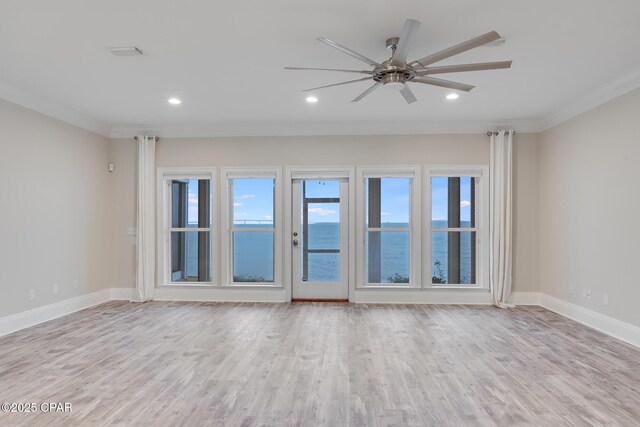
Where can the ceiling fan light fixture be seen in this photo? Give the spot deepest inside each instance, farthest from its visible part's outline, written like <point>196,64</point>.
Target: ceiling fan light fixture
<point>394,83</point>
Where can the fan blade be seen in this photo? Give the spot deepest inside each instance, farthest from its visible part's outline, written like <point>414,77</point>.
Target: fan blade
<point>329,69</point>
<point>349,52</point>
<point>367,92</point>
<point>442,83</point>
<point>459,48</point>
<point>464,67</point>
<point>408,95</point>
<point>408,32</point>
<point>337,84</point>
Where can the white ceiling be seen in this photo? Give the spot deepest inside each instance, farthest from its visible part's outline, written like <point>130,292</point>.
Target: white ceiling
<point>225,60</point>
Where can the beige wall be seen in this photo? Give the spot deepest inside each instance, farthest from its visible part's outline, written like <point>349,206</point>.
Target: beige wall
<point>54,209</point>
<point>589,208</point>
<point>330,151</point>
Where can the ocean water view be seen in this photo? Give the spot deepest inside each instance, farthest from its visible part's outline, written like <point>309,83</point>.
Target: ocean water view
<point>253,254</point>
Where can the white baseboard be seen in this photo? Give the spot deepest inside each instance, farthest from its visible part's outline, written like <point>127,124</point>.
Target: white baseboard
<point>525,298</point>
<point>431,296</point>
<point>123,294</point>
<point>605,324</point>
<point>219,294</point>
<point>25,319</point>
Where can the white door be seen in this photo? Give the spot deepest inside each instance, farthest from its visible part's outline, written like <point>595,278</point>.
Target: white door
<point>320,233</point>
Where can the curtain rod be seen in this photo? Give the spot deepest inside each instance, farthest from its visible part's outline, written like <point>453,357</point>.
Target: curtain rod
<point>496,133</point>
<point>157,138</point>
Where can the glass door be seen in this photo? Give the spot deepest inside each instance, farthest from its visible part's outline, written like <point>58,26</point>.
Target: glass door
<point>319,239</point>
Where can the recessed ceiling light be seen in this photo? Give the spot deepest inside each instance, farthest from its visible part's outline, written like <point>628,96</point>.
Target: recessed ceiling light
<point>453,96</point>
<point>174,101</point>
<point>312,99</point>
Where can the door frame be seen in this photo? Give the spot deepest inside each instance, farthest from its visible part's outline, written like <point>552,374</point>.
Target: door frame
<point>311,172</point>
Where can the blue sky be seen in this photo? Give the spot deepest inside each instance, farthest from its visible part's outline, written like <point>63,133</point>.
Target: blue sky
<point>253,199</point>
<point>439,198</point>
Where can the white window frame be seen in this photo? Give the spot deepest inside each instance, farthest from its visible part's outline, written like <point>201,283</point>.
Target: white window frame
<point>227,223</point>
<point>481,173</point>
<point>164,177</point>
<point>414,173</point>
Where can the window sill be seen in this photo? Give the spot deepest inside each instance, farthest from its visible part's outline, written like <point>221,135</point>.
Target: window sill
<point>426,288</point>
<point>251,286</point>
<point>187,285</point>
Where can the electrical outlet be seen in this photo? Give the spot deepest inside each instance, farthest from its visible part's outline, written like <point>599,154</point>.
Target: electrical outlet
<point>54,288</point>
<point>584,292</point>
<point>32,294</point>
<point>605,299</point>
<point>588,293</point>
<point>75,284</point>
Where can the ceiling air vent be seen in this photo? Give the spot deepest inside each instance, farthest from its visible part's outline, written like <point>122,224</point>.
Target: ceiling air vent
<point>126,51</point>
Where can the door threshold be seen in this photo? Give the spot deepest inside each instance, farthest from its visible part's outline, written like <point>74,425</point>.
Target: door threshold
<point>319,300</point>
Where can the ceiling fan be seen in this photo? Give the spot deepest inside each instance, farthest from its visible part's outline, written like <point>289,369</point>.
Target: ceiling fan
<point>396,72</point>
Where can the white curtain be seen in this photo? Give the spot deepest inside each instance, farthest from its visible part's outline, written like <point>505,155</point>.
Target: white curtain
<point>500,177</point>
<point>146,242</point>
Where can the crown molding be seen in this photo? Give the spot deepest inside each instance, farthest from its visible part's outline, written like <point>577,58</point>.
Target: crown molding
<point>51,109</point>
<point>327,129</point>
<point>595,98</point>
<point>600,95</point>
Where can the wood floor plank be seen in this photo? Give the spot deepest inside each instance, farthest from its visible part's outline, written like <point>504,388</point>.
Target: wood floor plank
<point>314,364</point>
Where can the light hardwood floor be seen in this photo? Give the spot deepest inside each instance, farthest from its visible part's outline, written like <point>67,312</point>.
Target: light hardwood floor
<point>169,363</point>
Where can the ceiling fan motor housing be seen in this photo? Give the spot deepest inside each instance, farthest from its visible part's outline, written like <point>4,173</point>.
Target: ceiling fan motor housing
<point>392,74</point>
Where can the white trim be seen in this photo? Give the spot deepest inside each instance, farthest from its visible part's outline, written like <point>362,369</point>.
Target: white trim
<point>605,93</point>
<point>525,298</point>
<point>226,223</point>
<point>423,296</point>
<point>25,319</point>
<point>226,294</point>
<point>594,98</point>
<point>123,294</point>
<point>327,172</point>
<point>163,212</point>
<point>481,172</point>
<point>605,324</point>
<point>321,129</point>
<point>415,231</point>
<point>52,109</point>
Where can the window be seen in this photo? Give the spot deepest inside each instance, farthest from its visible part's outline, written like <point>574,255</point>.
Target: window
<point>253,242</point>
<point>186,251</point>
<point>390,235</point>
<point>456,227</point>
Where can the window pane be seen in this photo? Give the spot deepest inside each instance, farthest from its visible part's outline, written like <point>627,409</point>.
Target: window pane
<point>324,235</point>
<point>452,202</point>
<point>252,256</point>
<point>329,188</point>
<point>190,256</point>
<point>191,203</point>
<point>439,257</point>
<point>387,257</point>
<point>253,201</point>
<point>453,257</point>
<point>467,257</point>
<point>324,267</point>
<point>388,202</point>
